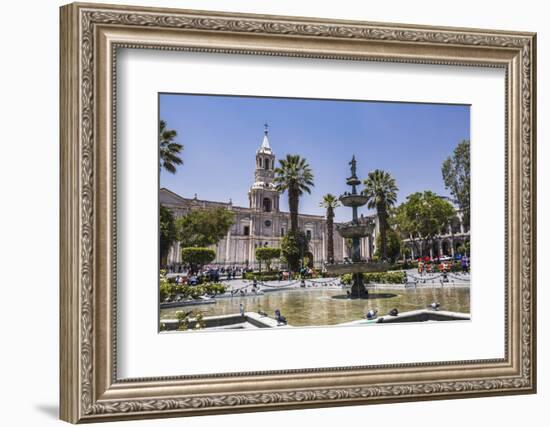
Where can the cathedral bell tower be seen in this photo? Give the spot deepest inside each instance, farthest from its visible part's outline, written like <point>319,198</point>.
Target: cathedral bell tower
<point>263,196</point>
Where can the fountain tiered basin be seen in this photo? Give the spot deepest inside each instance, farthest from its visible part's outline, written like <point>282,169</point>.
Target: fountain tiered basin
<point>351,200</point>
<point>355,230</point>
<point>349,230</point>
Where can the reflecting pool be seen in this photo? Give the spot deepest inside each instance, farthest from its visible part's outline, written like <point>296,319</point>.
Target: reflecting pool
<point>317,307</point>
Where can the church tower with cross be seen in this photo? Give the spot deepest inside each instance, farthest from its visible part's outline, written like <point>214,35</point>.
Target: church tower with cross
<point>261,223</point>
<point>263,195</point>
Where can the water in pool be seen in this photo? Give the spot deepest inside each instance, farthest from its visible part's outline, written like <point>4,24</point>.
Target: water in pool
<point>318,307</point>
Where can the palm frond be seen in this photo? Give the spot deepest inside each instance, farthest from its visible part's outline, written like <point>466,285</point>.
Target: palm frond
<point>169,150</point>
<point>329,201</point>
<point>380,188</point>
<point>294,172</point>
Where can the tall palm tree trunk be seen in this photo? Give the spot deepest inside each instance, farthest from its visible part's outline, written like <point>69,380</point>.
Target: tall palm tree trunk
<point>293,198</point>
<point>381,190</point>
<point>330,202</point>
<point>330,236</point>
<point>383,228</point>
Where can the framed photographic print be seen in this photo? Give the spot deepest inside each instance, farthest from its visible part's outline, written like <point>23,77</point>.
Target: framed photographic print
<point>265,212</point>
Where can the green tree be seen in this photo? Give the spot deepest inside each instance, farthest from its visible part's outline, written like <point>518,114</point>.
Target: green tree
<point>393,242</point>
<point>169,150</point>
<point>464,249</point>
<point>203,227</point>
<point>294,176</point>
<point>456,176</point>
<point>330,202</point>
<point>267,254</point>
<point>381,190</point>
<point>185,318</point>
<point>165,288</point>
<point>422,217</point>
<point>293,247</point>
<point>167,233</point>
<point>197,257</point>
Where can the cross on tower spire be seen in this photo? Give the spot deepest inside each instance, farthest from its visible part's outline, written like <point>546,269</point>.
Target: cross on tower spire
<point>265,142</point>
<point>263,194</point>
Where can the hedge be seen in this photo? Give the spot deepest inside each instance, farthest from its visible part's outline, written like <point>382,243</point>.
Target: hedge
<point>393,277</point>
<point>197,256</point>
<point>264,275</point>
<point>274,275</point>
<point>171,290</point>
<point>402,266</point>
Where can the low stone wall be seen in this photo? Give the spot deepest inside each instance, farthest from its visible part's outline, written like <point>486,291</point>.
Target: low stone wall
<point>213,322</point>
<point>423,316</point>
<point>186,303</point>
<point>254,320</point>
<point>409,285</point>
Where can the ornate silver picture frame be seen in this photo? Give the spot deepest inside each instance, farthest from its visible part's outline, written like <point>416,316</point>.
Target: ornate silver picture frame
<point>91,36</point>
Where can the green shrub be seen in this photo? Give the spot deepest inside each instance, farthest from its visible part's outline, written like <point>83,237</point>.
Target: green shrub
<point>183,318</point>
<point>165,287</point>
<point>394,277</point>
<point>267,254</point>
<point>403,266</point>
<point>346,278</point>
<point>213,288</point>
<point>197,257</point>
<point>293,245</point>
<point>263,276</point>
<point>393,245</point>
<point>171,290</point>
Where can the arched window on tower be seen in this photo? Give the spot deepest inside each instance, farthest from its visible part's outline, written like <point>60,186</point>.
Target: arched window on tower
<point>259,161</point>
<point>267,204</point>
<point>266,164</point>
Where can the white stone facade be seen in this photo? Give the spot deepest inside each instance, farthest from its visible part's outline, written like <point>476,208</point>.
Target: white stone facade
<point>447,243</point>
<point>261,223</point>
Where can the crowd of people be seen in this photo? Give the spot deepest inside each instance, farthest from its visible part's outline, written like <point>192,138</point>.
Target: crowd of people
<point>216,273</point>
<point>426,265</point>
<point>234,270</point>
<point>210,273</point>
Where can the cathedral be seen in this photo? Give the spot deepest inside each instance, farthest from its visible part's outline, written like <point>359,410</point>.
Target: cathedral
<point>262,223</point>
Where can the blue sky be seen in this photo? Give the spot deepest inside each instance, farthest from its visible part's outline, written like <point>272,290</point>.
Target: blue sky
<point>220,135</point>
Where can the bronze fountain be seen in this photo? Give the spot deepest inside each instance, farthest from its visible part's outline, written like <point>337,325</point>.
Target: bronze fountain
<point>355,230</point>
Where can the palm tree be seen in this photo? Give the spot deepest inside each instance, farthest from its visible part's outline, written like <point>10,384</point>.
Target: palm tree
<point>381,190</point>
<point>294,175</point>
<point>330,202</point>
<point>169,149</point>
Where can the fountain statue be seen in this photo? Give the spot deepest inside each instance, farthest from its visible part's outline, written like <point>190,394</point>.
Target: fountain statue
<point>356,229</point>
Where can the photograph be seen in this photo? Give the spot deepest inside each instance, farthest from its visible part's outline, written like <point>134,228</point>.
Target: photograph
<point>297,187</point>
<point>290,212</point>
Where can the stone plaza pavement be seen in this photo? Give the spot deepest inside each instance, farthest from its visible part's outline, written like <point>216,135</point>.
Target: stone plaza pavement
<point>239,285</point>
<point>414,279</point>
